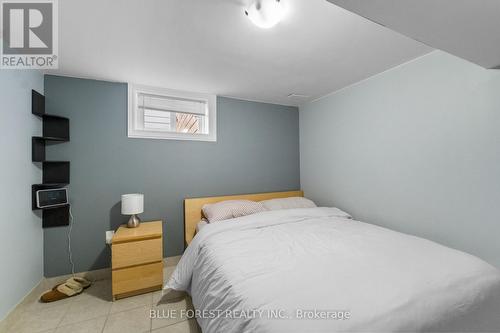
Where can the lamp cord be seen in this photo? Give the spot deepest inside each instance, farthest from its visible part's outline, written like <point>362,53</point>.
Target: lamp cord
<point>70,254</point>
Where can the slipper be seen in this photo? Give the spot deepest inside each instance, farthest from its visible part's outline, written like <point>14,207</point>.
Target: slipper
<point>80,280</point>
<point>62,291</point>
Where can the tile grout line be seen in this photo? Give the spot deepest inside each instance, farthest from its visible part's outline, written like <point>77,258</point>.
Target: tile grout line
<point>105,322</point>
<point>151,305</point>
<point>107,317</point>
<point>75,300</point>
<point>108,314</point>
<point>64,315</point>
<point>172,324</point>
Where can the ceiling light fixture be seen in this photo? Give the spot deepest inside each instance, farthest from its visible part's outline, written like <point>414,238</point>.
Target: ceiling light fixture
<point>266,13</point>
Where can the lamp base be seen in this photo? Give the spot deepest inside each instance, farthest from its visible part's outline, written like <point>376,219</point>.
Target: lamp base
<point>134,221</point>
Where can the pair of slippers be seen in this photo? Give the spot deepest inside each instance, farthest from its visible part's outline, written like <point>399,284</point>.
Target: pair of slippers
<point>71,287</point>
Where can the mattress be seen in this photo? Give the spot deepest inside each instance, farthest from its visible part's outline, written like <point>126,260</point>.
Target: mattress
<point>316,270</point>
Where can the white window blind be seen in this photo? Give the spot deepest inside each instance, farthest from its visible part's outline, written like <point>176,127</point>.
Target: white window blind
<point>167,114</point>
<point>158,119</point>
<point>172,104</point>
<point>161,112</point>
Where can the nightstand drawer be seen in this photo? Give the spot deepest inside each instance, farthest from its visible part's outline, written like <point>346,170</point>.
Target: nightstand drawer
<point>126,280</point>
<point>136,253</point>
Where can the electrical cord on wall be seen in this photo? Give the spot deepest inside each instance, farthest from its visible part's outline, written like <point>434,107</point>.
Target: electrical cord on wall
<point>70,254</point>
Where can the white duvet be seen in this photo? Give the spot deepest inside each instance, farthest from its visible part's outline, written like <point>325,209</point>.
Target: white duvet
<point>282,271</point>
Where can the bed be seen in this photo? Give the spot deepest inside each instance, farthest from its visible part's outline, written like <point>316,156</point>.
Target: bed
<point>319,270</point>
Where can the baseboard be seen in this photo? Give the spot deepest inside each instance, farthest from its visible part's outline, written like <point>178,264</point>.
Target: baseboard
<point>23,301</point>
<point>95,275</point>
<point>49,283</point>
<point>98,274</point>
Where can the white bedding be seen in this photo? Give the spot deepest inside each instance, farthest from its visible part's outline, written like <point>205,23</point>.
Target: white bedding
<point>200,225</point>
<point>316,259</point>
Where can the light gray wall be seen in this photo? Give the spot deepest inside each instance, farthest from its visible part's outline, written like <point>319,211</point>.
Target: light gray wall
<point>21,229</point>
<point>257,151</point>
<point>416,149</point>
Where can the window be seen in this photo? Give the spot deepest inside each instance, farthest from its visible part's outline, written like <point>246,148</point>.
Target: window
<point>155,113</point>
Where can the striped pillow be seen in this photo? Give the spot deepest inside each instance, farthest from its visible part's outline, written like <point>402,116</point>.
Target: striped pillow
<point>229,209</point>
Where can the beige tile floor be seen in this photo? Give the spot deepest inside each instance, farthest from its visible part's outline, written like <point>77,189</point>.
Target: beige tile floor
<point>93,311</point>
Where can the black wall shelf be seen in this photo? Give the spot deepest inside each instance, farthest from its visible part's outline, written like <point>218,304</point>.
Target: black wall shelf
<point>55,174</point>
<point>37,149</point>
<point>55,217</point>
<point>38,144</point>
<point>55,128</point>
<point>37,103</point>
<point>36,187</point>
<point>51,138</point>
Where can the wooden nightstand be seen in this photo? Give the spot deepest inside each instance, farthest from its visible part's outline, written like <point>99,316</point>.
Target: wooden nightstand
<point>137,259</point>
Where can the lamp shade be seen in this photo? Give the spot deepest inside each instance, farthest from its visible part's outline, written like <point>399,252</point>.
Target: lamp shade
<point>132,204</point>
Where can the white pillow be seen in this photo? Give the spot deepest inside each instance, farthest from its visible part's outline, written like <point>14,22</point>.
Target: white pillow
<point>229,209</point>
<point>288,203</point>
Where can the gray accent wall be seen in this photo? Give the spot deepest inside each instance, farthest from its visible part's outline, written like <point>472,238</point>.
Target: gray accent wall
<point>21,234</point>
<point>257,150</point>
<point>415,149</point>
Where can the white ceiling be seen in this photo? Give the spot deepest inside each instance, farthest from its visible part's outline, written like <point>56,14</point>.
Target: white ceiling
<point>469,29</point>
<point>211,46</point>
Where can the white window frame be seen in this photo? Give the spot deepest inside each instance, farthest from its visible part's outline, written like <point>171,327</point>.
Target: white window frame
<point>134,130</point>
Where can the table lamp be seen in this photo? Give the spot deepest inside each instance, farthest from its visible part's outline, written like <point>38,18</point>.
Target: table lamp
<point>133,204</point>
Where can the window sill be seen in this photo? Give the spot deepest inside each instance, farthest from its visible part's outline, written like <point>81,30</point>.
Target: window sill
<point>171,136</point>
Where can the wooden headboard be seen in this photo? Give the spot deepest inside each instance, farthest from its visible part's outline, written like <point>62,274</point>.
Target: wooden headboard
<point>193,213</point>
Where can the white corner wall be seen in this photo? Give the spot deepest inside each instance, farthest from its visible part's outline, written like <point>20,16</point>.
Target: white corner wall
<point>415,149</point>
<point>21,236</point>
